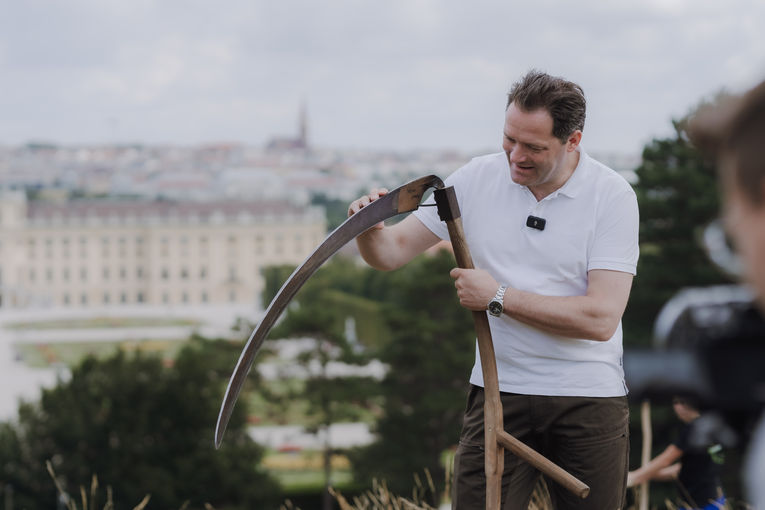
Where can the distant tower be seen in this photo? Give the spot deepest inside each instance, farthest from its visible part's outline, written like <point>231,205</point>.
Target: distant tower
<point>292,143</point>
<point>303,136</point>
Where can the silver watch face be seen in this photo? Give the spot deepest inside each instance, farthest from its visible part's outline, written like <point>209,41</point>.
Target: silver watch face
<point>495,308</point>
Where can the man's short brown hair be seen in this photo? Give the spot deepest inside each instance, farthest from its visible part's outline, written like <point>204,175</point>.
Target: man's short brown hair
<point>563,100</point>
<point>733,131</point>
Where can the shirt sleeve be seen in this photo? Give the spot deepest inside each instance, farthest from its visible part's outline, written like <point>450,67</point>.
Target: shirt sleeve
<point>681,441</point>
<point>615,246</point>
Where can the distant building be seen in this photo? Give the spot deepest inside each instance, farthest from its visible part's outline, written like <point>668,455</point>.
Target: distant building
<point>85,253</point>
<point>300,142</point>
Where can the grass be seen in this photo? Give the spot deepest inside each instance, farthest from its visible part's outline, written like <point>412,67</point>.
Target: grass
<point>298,481</point>
<point>44,355</point>
<point>378,497</point>
<point>103,322</point>
<point>279,403</point>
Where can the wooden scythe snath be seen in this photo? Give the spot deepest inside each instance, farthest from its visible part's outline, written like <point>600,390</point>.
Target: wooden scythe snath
<point>496,440</point>
<point>405,199</point>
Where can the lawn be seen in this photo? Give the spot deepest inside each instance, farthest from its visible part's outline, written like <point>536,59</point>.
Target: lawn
<point>44,355</point>
<point>303,470</point>
<point>104,322</point>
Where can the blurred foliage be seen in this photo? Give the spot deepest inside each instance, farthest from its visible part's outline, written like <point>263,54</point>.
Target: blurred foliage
<point>425,338</point>
<point>327,396</point>
<point>273,279</point>
<point>353,290</point>
<point>142,428</point>
<point>430,353</point>
<point>336,209</point>
<point>678,197</point>
<point>320,312</point>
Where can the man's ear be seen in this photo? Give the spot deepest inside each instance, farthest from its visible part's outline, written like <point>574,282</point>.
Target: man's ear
<point>573,140</point>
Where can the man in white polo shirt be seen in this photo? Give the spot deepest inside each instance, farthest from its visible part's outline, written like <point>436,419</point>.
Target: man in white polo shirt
<point>554,238</point>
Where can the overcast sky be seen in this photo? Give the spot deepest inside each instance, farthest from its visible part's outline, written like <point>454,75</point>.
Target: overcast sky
<point>398,74</point>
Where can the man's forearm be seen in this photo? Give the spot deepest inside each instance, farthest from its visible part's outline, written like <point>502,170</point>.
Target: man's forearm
<point>391,247</point>
<point>571,316</point>
<point>593,316</point>
<point>375,248</point>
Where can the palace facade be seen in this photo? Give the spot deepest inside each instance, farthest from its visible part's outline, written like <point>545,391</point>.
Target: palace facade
<point>87,253</point>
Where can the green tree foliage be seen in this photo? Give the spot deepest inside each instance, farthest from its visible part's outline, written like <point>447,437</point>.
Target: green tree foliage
<point>273,279</point>
<point>429,346</point>
<point>430,353</point>
<point>342,285</point>
<point>677,195</point>
<point>335,209</point>
<point>142,428</point>
<point>317,314</point>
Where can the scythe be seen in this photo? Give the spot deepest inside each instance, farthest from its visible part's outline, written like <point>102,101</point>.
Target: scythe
<point>401,200</point>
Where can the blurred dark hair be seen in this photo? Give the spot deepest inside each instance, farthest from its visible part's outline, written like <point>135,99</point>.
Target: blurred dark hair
<point>733,132</point>
<point>688,400</point>
<point>563,100</point>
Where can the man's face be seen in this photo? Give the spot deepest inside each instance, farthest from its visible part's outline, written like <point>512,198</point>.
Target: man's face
<point>536,157</point>
<point>745,222</point>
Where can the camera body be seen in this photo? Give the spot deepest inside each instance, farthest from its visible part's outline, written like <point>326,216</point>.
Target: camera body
<point>709,344</point>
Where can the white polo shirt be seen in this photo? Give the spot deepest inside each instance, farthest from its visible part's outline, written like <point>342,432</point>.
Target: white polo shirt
<point>592,223</point>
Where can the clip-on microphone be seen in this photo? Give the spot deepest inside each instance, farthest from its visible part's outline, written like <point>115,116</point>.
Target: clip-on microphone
<point>536,222</point>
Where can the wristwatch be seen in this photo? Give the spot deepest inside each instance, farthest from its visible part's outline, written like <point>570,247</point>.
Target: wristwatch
<point>496,305</point>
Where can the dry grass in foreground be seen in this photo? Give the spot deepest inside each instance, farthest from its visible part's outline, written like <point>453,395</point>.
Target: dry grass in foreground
<point>376,498</point>
<point>380,498</point>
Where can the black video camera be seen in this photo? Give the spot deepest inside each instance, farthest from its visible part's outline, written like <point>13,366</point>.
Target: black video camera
<point>710,346</point>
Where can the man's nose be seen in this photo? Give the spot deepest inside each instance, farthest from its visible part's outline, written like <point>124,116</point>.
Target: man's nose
<point>518,155</point>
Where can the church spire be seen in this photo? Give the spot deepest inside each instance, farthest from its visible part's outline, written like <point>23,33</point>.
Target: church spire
<point>303,128</point>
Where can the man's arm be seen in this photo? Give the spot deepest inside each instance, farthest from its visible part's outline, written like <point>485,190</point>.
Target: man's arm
<point>660,467</point>
<point>593,316</point>
<point>388,248</point>
<point>669,473</point>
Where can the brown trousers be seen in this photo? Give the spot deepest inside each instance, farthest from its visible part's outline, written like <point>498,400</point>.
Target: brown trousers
<point>586,436</point>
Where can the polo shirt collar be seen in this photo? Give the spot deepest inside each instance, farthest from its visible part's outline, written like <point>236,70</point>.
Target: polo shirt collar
<point>574,184</point>
<point>578,179</point>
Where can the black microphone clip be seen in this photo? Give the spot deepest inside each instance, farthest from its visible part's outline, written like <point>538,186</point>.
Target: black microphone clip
<point>536,222</point>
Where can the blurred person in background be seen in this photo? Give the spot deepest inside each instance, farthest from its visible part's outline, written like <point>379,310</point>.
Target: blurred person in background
<point>733,132</point>
<point>696,469</point>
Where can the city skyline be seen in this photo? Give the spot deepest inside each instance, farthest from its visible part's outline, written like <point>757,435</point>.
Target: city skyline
<point>400,76</point>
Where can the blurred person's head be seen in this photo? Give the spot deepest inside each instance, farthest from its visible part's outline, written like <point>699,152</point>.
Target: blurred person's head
<point>734,133</point>
<point>685,408</point>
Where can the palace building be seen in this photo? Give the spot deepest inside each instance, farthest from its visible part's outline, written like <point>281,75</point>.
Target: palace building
<point>88,253</point>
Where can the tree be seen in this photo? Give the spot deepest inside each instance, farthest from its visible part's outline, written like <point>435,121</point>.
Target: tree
<point>430,354</point>
<point>313,315</point>
<point>273,279</point>
<point>428,343</point>
<point>335,209</point>
<point>677,195</point>
<point>342,285</point>
<point>142,428</point>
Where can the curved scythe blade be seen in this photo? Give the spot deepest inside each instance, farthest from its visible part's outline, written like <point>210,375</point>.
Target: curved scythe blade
<point>403,199</point>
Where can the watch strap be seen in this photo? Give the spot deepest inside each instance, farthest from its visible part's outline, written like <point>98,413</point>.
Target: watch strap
<point>498,298</point>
